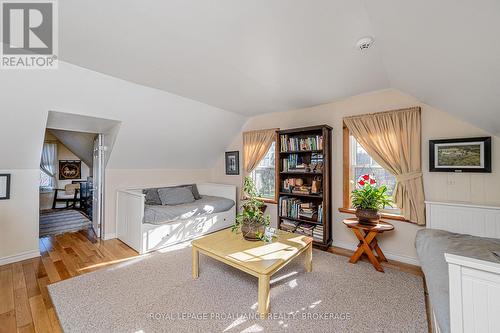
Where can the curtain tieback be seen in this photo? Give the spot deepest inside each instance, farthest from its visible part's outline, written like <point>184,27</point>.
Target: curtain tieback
<point>408,176</point>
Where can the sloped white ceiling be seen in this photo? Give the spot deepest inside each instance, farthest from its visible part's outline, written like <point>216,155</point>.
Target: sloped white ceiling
<point>260,56</point>
<point>446,53</point>
<point>79,143</point>
<point>248,57</point>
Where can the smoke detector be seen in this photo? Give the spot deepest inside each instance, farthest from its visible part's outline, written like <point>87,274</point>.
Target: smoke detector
<point>364,43</point>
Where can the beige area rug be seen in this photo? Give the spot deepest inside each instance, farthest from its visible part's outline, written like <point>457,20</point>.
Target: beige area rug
<point>156,293</point>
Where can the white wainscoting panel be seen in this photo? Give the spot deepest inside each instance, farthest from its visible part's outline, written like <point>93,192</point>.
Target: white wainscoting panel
<point>476,220</point>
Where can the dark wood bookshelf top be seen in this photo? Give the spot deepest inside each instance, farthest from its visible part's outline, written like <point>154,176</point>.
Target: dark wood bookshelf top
<point>304,129</point>
<point>300,220</point>
<point>315,196</point>
<point>319,151</point>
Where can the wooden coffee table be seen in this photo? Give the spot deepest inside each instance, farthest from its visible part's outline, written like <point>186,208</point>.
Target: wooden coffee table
<point>367,236</point>
<point>258,258</point>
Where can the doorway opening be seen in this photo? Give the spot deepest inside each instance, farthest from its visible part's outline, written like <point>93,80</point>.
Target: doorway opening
<point>71,183</point>
<point>75,153</point>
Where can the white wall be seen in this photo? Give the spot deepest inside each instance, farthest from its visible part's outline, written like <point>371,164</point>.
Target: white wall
<point>158,130</point>
<point>19,216</point>
<point>478,188</point>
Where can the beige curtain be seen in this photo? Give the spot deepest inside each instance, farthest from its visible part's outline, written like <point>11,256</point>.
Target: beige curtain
<point>393,139</point>
<point>255,146</point>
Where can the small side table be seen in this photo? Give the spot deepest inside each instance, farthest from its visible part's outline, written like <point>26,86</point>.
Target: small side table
<point>367,235</point>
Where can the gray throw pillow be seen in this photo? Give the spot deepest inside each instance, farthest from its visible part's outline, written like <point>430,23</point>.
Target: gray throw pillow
<point>175,195</point>
<point>152,197</point>
<point>194,189</point>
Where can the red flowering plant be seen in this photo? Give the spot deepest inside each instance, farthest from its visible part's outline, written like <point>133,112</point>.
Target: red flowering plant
<point>368,195</point>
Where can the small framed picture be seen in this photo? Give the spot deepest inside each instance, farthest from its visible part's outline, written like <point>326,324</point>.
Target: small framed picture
<point>4,186</point>
<point>460,155</point>
<point>70,170</point>
<point>232,163</point>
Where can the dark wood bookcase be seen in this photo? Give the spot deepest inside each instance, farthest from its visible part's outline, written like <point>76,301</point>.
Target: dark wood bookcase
<point>307,158</point>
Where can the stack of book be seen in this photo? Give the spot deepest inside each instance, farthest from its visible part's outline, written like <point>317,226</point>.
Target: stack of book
<point>288,225</point>
<point>305,229</point>
<point>301,143</point>
<point>301,189</point>
<point>289,207</point>
<point>290,162</point>
<point>318,233</point>
<point>307,211</point>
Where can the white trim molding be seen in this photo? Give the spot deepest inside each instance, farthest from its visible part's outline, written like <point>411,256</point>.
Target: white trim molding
<point>389,255</point>
<point>19,257</point>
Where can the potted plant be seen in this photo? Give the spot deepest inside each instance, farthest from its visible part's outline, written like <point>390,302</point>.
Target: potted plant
<point>251,221</point>
<point>368,199</point>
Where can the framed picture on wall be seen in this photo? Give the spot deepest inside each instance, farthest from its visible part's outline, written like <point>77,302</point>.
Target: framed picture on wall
<point>460,155</point>
<point>70,170</point>
<point>232,163</point>
<point>4,186</point>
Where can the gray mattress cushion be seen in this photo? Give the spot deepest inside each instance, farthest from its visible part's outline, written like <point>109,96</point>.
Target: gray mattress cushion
<point>175,195</point>
<point>155,214</point>
<point>431,245</point>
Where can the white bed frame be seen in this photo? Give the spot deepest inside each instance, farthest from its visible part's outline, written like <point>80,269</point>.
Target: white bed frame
<point>145,237</point>
<point>474,285</point>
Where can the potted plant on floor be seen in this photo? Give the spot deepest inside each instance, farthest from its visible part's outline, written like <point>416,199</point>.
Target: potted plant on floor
<point>368,199</point>
<point>251,221</point>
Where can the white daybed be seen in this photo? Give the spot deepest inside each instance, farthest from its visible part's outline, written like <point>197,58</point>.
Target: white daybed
<point>458,253</point>
<point>146,237</point>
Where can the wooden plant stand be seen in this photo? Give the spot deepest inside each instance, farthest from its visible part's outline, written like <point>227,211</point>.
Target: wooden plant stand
<point>367,236</point>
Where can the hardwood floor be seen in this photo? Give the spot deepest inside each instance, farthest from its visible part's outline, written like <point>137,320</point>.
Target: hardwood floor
<point>25,305</point>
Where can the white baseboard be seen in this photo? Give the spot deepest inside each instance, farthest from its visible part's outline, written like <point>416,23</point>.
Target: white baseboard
<point>19,257</point>
<point>109,236</point>
<point>389,255</point>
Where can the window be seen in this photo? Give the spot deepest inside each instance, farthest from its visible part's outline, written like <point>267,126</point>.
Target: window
<point>48,166</point>
<point>45,181</point>
<point>357,162</point>
<point>264,175</point>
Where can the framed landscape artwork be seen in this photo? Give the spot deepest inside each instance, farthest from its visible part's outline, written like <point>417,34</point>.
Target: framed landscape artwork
<point>460,155</point>
<point>70,170</point>
<point>232,163</point>
<point>4,186</point>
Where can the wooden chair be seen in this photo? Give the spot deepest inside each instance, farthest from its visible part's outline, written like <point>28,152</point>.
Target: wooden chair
<point>69,195</point>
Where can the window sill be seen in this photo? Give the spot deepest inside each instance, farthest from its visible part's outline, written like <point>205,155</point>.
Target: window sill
<point>267,200</point>
<point>384,215</point>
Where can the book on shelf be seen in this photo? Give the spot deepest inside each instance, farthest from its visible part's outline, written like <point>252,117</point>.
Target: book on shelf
<point>312,142</point>
<point>295,208</point>
<point>301,189</point>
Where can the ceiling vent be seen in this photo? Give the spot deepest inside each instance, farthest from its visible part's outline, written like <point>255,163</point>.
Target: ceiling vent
<point>364,43</point>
